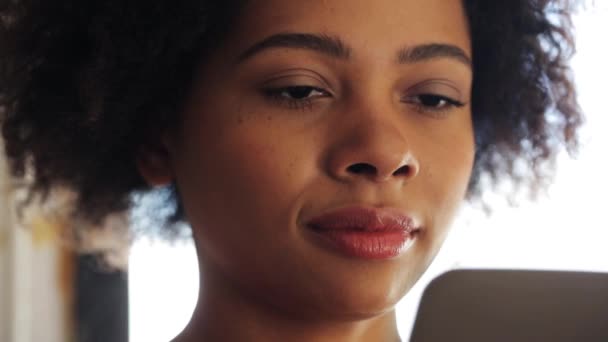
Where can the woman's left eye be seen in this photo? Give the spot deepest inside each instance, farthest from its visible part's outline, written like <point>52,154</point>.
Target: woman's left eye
<point>296,97</point>
<point>432,102</point>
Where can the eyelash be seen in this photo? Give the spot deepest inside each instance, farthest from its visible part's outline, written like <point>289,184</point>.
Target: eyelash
<point>282,97</point>
<point>278,95</point>
<point>418,102</point>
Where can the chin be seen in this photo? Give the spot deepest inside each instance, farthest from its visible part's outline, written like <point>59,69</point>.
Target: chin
<point>354,294</point>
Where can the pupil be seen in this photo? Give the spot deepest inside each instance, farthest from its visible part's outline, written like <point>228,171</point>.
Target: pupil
<point>299,92</point>
<point>431,101</point>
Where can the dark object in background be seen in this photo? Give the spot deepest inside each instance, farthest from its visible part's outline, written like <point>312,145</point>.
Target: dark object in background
<point>492,305</point>
<point>102,309</point>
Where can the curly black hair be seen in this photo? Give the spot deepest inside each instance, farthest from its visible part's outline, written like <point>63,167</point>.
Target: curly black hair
<point>85,84</point>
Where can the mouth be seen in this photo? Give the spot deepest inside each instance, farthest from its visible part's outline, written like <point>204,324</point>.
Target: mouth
<point>365,233</point>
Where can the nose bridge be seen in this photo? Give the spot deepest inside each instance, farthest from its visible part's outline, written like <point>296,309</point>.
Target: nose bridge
<point>374,147</point>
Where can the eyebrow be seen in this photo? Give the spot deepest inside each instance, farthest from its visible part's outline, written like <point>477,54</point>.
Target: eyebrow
<point>430,51</point>
<point>336,48</point>
<point>327,45</point>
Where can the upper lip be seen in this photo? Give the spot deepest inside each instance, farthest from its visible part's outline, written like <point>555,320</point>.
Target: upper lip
<point>364,219</point>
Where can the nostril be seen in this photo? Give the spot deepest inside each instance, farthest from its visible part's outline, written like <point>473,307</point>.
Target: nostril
<point>402,171</point>
<point>362,168</point>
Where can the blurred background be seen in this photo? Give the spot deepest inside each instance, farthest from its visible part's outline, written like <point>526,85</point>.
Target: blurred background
<point>50,293</point>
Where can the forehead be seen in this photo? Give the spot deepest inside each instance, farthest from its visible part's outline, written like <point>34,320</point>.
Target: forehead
<point>367,26</point>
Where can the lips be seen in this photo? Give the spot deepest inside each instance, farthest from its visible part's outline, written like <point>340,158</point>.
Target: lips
<point>366,233</point>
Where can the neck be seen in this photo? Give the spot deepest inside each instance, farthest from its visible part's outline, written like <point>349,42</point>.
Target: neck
<point>224,314</point>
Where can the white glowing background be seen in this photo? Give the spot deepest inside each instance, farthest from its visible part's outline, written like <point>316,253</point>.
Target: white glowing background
<point>567,231</point>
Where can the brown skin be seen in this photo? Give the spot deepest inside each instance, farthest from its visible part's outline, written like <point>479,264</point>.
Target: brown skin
<point>252,169</point>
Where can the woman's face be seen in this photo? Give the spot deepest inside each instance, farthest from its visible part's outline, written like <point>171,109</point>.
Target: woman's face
<point>342,108</point>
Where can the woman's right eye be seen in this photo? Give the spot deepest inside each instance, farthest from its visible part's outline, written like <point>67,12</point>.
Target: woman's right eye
<point>296,97</point>
<point>301,92</point>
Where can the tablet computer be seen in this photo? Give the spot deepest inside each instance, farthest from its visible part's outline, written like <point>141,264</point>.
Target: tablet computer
<point>514,305</point>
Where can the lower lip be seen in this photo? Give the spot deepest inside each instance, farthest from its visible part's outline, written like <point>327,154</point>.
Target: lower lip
<point>365,244</point>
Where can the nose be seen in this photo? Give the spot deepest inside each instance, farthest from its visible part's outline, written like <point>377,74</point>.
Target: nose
<point>375,151</point>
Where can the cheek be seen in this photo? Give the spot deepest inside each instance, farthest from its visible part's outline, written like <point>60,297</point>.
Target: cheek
<point>263,165</point>
<point>247,172</point>
<point>242,189</point>
<point>445,172</point>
